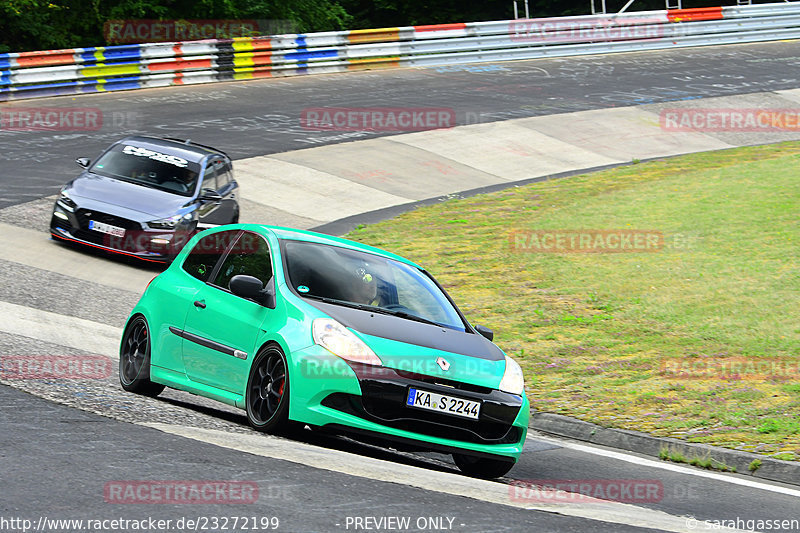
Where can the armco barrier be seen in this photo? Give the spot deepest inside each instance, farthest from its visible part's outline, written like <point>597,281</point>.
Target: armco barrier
<point>88,70</point>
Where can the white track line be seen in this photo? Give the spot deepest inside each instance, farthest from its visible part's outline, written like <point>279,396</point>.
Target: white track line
<point>77,333</point>
<point>651,463</point>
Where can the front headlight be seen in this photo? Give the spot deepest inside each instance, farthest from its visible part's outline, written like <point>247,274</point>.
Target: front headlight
<point>65,201</point>
<point>342,342</point>
<point>513,381</point>
<point>169,222</point>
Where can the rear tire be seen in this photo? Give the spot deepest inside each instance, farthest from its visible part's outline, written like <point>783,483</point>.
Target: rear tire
<point>267,397</point>
<point>481,467</point>
<point>134,360</point>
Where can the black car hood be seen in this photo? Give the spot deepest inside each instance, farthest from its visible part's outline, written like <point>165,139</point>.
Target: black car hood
<point>411,332</point>
<point>129,197</point>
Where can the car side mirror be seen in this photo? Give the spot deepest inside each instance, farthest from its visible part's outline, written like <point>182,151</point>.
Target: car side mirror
<point>486,332</point>
<point>207,195</point>
<point>251,287</point>
<point>83,162</point>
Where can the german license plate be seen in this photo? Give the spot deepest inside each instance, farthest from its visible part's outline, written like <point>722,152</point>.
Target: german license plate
<point>442,403</point>
<point>106,228</point>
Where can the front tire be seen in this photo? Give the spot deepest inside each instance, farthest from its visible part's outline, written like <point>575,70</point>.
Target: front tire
<point>481,467</point>
<point>134,360</point>
<point>267,397</point>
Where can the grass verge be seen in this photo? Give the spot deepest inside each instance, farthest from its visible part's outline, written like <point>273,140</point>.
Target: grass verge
<point>673,342</point>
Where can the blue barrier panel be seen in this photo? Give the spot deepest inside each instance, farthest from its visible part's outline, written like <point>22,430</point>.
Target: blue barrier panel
<point>124,52</point>
<point>304,55</point>
<point>121,84</point>
<point>87,55</point>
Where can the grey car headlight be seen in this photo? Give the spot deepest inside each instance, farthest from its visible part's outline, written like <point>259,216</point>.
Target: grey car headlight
<point>65,201</point>
<point>169,222</point>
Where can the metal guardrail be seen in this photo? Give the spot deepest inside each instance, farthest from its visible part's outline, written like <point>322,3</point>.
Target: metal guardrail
<point>87,70</point>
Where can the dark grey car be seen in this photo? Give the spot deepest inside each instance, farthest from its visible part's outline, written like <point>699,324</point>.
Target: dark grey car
<point>145,197</point>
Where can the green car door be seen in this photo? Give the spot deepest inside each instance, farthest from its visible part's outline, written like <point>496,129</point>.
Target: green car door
<point>222,328</point>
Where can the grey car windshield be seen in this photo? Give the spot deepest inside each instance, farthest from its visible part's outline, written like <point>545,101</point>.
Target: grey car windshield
<point>359,279</point>
<point>148,168</point>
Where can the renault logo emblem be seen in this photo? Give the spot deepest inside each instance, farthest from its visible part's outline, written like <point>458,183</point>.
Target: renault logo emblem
<point>443,364</point>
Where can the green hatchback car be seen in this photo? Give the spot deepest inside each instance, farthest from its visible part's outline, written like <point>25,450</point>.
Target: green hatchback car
<point>301,328</point>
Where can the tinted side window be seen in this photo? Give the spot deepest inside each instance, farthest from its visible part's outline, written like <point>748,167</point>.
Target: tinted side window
<point>210,176</point>
<point>205,254</point>
<point>224,176</point>
<point>249,256</point>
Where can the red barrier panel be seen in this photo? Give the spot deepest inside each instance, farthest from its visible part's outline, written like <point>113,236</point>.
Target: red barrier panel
<point>180,64</point>
<point>46,58</point>
<point>441,27</point>
<point>693,14</point>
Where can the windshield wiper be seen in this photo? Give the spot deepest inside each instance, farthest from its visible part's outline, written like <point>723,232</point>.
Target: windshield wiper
<point>345,303</point>
<point>409,316</point>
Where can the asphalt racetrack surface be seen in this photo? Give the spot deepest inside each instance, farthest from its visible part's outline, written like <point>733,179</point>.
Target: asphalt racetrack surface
<point>65,445</point>
<point>264,117</point>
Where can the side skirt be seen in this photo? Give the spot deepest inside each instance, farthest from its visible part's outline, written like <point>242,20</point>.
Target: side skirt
<point>180,381</point>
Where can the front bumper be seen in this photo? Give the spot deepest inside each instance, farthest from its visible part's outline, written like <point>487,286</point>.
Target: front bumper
<point>371,400</point>
<point>155,245</point>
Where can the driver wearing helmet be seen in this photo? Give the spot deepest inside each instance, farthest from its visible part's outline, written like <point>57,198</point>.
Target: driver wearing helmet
<point>365,288</point>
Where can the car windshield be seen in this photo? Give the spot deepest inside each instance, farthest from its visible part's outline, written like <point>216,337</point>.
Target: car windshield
<point>367,281</point>
<point>148,168</point>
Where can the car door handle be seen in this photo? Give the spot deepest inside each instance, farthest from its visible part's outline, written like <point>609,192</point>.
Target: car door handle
<point>200,303</point>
